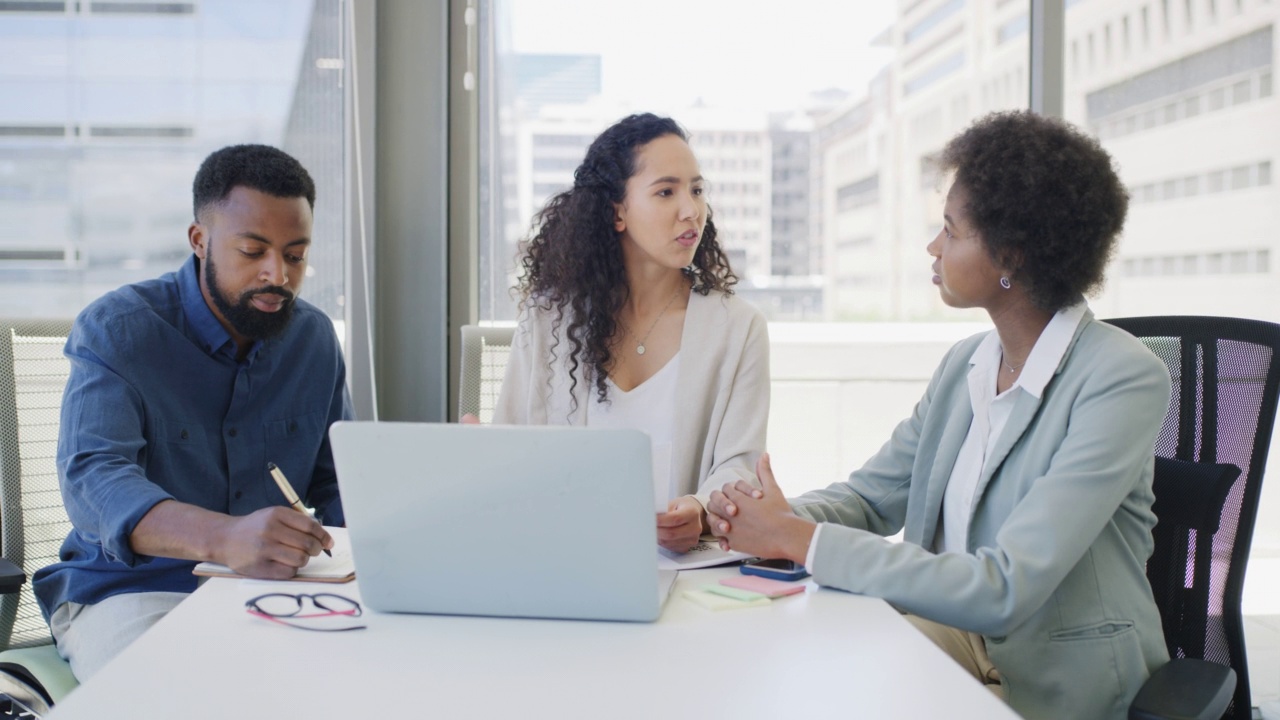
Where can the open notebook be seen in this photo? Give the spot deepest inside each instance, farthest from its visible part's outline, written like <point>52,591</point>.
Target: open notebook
<point>321,568</point>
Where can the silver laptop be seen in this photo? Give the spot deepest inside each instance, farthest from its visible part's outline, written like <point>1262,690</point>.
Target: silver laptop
<point>548,522</point>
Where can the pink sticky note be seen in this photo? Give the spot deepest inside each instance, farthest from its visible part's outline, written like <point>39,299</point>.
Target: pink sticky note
<point>764,586</point>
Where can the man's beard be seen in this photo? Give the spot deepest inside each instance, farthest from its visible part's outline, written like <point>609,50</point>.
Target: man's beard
<point>246,319</point>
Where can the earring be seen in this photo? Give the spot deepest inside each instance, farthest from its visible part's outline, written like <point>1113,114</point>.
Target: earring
<point>1004,283</point>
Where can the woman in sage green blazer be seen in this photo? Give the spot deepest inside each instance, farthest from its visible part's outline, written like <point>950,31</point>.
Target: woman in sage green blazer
<point>1022,479</point>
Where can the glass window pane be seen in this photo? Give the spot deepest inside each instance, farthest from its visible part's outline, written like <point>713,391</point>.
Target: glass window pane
<point>817,158</point>
<point>1207,160</point>
<point>105,118</point>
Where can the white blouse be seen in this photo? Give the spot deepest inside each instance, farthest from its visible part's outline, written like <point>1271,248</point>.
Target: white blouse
<point>651,408</point>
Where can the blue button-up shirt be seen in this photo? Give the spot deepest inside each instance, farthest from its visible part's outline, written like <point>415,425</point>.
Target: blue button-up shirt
<point>157,407</point>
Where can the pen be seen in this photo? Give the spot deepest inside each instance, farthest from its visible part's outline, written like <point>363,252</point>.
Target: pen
<point>289,494</point>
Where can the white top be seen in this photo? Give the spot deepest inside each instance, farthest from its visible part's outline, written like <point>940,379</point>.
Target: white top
<point>990,413</point>
<point>651,408</point>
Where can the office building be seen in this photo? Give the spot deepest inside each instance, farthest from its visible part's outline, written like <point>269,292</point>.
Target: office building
<point>107,109</point>
<point>1175,90</point>
<point>555,79</point>
<point>1166,86</point>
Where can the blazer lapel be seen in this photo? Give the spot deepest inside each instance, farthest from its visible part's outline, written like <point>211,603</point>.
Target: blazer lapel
<point>1019,418</point>
<point>944,460</point>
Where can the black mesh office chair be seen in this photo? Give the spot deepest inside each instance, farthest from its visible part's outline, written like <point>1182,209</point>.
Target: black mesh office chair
<point>33,522</point>
<point>1211,454</point>
<point>485,351</point>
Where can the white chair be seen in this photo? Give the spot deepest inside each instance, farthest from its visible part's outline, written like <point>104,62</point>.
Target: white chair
<point>33,521</point>
<point>485,350</point>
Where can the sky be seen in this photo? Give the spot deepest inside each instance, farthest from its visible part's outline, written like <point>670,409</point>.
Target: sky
<point>734,54</point>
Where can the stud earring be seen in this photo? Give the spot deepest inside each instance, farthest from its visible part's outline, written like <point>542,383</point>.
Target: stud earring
<point>1004,283</point>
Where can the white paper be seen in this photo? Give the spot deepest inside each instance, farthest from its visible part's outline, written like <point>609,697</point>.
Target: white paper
<point>704,554</point>
<point>320,567</point>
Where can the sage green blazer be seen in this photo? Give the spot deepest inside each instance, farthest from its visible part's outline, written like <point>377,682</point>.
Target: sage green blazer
<point>1054,577</point>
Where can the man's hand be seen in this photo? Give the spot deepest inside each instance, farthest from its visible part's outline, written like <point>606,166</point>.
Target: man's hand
<point>758,520</point>
<point>681,525</point>
<point>271,543</point>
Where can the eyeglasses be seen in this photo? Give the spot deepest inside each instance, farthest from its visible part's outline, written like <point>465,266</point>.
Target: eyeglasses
<point>287,609</point>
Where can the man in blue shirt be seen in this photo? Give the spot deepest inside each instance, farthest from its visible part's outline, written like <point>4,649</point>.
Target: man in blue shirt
<point>182,389</point>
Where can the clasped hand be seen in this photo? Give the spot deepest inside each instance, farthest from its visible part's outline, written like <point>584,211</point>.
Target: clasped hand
<point>758,520</point>
<point>681,525</point>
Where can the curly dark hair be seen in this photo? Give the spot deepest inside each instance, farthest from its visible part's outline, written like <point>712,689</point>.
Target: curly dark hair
<point>573,258</point>
<point>258,167</point>
<point>1045,199</point>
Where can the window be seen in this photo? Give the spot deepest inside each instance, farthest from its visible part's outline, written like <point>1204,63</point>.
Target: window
<point>933,19</point>
<point>1012,28</point>
<point>104,118</point>
<point>1203,91</point>
<point>789,160</point>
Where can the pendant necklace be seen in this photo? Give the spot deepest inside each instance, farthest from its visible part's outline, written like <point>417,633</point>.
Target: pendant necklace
<point>641,341</point>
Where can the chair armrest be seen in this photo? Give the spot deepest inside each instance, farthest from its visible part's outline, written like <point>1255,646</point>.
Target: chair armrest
<point>1185,689</point>
<point>11,577</point>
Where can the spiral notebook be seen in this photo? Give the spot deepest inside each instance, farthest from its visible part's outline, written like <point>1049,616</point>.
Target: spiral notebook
<point>321,568</point>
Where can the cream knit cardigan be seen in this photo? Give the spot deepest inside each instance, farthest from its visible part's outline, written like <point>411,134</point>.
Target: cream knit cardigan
<point>722,405</point>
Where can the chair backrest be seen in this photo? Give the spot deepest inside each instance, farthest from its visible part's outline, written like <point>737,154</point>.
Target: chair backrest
<point>1221,416</point>
<point>33,521</point>
<point>485,350</point>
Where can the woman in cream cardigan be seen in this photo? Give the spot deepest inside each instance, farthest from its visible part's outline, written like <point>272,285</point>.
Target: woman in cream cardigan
<point>1022,481</point>
<point>628,321</point>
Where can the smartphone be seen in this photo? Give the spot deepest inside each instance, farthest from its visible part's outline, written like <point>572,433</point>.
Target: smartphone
<point>776,569</point>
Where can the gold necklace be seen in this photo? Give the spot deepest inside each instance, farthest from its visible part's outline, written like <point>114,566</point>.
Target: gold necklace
<point>1012,368</point>
<point>641,341</point>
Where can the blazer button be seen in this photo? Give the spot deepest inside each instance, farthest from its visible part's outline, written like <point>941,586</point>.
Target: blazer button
<point>184,435</point>
<point>232,432</point>
<point>238,494</point>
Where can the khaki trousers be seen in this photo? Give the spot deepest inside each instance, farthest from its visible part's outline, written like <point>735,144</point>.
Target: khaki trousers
<point>89,636</point>
<point>966,648</point>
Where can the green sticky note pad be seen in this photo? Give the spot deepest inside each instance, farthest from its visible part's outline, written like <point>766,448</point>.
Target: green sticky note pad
<point>733,592</point>
<point>712,601</point>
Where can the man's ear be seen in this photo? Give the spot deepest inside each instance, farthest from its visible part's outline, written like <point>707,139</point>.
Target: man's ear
<point>198,237</point>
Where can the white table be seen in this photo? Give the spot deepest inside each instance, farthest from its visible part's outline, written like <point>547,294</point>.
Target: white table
<point>820,654</point>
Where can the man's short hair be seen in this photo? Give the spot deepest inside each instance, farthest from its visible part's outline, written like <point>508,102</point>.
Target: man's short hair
<point>258,167</point>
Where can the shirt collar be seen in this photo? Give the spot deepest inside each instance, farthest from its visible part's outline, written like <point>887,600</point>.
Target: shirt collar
<point>1045,356</point>
<point>203,323</point>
